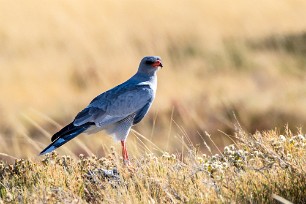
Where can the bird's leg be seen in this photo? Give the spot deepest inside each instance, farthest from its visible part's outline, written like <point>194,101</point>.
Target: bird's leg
<point>124,153</point>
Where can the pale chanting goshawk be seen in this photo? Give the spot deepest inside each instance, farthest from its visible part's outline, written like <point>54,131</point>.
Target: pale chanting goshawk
<point>115,110</point>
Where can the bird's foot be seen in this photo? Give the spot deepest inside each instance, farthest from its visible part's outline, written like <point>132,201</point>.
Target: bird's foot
<point>128,165</point>
<point>126,162</point>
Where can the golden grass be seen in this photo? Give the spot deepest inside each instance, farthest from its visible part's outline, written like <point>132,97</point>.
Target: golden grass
<point>259,168</point>
<point>56,56</point>
<point>220,57</point>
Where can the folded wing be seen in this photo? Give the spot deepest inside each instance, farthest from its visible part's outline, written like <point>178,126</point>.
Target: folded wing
<point>116,104</point>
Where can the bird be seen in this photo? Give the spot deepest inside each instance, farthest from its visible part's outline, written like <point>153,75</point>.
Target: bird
<point>116,110</point>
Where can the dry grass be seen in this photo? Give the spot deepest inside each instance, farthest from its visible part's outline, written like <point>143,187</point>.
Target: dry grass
<point>220,57</point>
<point>254,170</point>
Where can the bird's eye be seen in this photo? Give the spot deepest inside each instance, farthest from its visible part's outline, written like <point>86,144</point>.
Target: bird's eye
<point>148,62</point>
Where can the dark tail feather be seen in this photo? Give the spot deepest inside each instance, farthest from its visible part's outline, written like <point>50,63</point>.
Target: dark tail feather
<point>65,131</point>
<point>64,135</point>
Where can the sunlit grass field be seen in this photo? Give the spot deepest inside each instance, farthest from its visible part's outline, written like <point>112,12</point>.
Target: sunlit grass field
<point>224,62</point>
<point>260,168</point>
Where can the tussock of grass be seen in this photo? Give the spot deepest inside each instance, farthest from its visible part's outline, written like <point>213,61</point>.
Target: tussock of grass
<point>251,171</point>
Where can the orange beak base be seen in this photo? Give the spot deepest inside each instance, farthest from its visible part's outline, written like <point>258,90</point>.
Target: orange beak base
<point>157,64</point>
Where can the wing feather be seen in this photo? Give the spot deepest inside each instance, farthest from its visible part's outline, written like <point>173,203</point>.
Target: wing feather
<point>116,104</point>
<point>141,113</point>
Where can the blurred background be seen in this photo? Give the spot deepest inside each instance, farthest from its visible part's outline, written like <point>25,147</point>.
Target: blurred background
<point>220,58</point>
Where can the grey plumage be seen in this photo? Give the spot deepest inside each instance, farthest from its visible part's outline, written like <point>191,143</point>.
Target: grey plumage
<point>117,109</point>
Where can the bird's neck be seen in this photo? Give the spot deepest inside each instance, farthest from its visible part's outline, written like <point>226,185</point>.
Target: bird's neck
<point>146,76</point>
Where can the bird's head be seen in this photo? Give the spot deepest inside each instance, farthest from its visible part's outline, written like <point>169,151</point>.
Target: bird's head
<point>150,64</point>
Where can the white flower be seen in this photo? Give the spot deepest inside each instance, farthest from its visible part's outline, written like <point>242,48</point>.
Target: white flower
<point>301,138</point>
<point>282,138</point>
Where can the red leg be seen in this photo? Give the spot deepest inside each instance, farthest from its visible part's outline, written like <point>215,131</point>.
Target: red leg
<point>124,153</point>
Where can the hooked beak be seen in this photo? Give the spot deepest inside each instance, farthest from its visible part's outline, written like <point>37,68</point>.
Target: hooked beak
<point>158,63</point>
